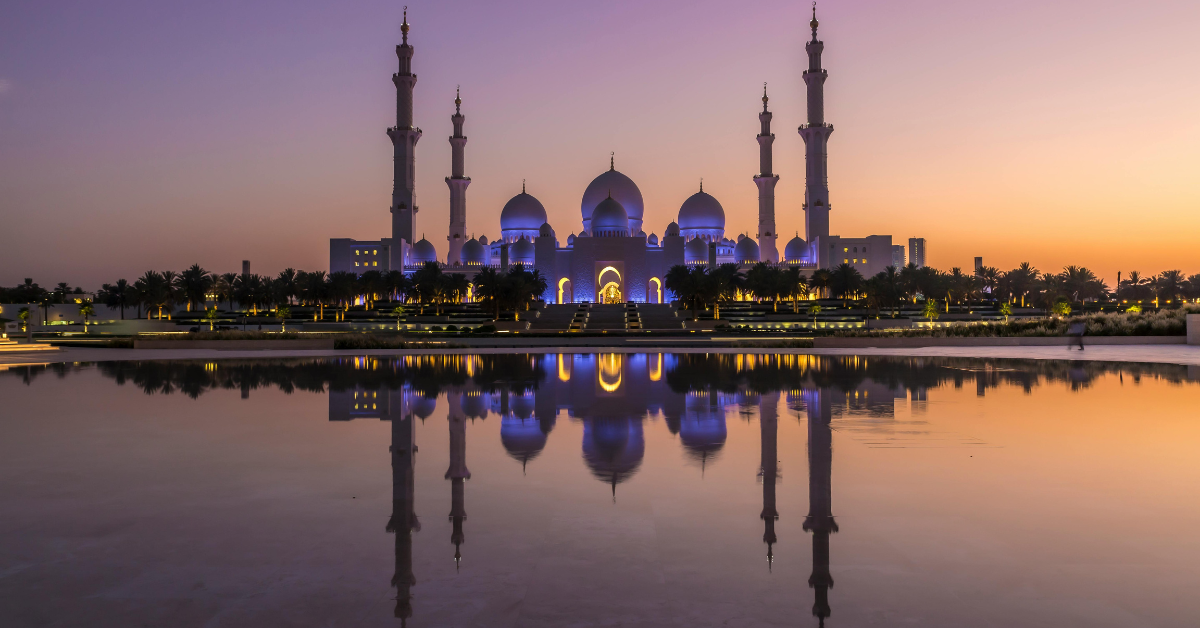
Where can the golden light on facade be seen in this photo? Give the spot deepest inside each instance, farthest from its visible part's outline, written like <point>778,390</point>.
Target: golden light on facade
<point>609,373</point>
<point>564,371</point>
<point>656,364</point>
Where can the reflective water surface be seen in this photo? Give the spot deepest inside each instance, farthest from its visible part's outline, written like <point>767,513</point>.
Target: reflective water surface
<point>600,490</point>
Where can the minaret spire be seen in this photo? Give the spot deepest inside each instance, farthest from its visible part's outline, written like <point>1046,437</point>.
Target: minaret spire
<point>457,474</point>
<point>612,161</point>
<point>404,138</point>
<point>457,182</point>
<point>766,181</point>
<point>816,138</point>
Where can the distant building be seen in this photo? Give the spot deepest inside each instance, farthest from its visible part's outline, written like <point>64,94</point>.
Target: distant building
<point>916,252</point>
<point>898,256</point>
<point>245,267</point>
<point>978,265</point>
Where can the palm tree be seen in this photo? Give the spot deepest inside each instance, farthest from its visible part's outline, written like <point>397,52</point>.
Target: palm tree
<point>931,309</point>
<point>174,291</point>
<point>487,287</point>
<point>153,292</point>
<point>118,295</point>
<point>225,287</point>
<point>398,312</point>
<point>892,283</point>
<point>846,282</point>
<point>814,310</point>
<point>86,310</point>
<point>287,283</point>
<point>314,288</point>
<point>721,285</point>
<point>398,285</point>
<point>1169,283</point>
<point>762,282</point>
<point>795,286</point>
<point>1023,279</point>
<point>210,315</point>
<point>282,312</point>
<point>372,285</point>
<point>427,283</point>
<point>1006,311</point>
<point>822,280</point>
<point>681,281</point>
<point>194,283</point>
<point>457,286</point>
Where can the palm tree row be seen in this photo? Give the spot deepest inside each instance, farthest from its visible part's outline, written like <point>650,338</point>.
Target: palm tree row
<point>1024,286</point>
<point>160,293</point>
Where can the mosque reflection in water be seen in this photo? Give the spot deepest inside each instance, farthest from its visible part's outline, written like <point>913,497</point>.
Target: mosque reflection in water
<point>614,396</point>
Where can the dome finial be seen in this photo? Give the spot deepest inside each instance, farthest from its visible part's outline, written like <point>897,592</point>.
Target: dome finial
<point>813,23</point>
<point>404,25</point>
<point>612,163</point>
<point>764,96</point>
<point>457,99</point>
<point>701,184</point>
<point>522,186</point>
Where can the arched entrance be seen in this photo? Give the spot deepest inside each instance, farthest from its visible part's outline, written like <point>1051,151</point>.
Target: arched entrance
<point>611,293</point>
<point>611,286</point>
<point>654,291</point>
<point>566,293</point>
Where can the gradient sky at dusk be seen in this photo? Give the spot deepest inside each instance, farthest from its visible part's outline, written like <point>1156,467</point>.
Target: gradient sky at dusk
<point>154,135</point>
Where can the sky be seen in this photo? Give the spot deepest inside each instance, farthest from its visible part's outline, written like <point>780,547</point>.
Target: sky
<point>154,135</point>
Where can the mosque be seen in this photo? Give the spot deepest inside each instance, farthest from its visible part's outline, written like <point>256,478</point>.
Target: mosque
<point>612,259</point>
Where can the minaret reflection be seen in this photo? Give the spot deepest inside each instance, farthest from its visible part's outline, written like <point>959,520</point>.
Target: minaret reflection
<point>457,473</point>
<point>768,420</point>
<point>403,521</point>
<point>820,514</point>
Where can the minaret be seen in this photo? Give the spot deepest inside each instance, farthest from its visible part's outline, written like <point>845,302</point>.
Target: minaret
<point>404,520</point>
<point>768,421</point>
<point>457,473</point>
<point>458,186</point>
<point>820,510</point>
<point>404,142</point>
<point>816,138</point>
<point>766,187</point>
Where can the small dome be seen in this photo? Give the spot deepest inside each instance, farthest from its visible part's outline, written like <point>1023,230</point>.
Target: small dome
<point>696,251</point>
<point>483,240</point>
<point>473,253</point>
<point>653,240</point>
<point>672,230</point>
<point>423,406</point>
<point>795,250</point>
<point>522,213</point>
<point>522,438</point>
<point>423,251</point>
<point>746,251</point>
<point>521,252</point>
<point>701,211</point>
<point>546,231</point>
<point>571,240</point>
<point>610,219</point>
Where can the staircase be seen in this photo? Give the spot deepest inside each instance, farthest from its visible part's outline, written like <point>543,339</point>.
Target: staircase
<point>609,317</point>
<point>580,318</point>
<point>633,320</point>
<point>658,317</point>
<point>554,317</point>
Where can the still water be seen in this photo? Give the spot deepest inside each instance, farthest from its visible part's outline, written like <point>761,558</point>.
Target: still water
<point>600,490</point>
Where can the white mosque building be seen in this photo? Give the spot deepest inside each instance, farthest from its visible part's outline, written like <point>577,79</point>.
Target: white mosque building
<point>612,258</point>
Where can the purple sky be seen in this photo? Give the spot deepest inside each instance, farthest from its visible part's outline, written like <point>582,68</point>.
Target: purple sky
<point>154,135</point>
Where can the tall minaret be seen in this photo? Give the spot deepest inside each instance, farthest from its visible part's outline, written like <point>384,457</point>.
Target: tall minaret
<point>766,187</point>
<point>458,186</point>
<point>816,137</point>
<point>820,519</point>
<point>404,142</point>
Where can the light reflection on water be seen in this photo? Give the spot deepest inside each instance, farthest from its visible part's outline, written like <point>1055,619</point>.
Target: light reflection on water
<point>1023,535</point>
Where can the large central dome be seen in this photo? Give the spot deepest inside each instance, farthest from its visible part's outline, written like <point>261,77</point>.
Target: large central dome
<point>701,216</point>
<point>622,189</point>
<point>523,215</point>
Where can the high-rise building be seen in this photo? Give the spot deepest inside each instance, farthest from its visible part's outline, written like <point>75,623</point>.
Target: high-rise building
<point>916,251</point>
<point>978,265</point>
<point>898,256</point>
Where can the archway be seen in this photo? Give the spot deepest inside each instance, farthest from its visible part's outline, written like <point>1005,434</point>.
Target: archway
<point>654,291</point>
<point>611,286</point>
<point>566,293</point>
<point>611,293</point>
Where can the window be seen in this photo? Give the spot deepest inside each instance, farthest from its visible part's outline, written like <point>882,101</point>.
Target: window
<point>864,260</point>
<point>375,264</point>
<point>375,252</point>
<point>356,263</point>
<point>845,250</point>
<point>357,252</point>
<point>856,250</point>
<point>845,261</point>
